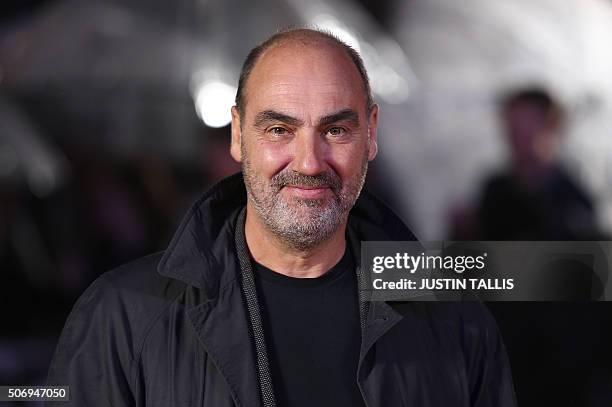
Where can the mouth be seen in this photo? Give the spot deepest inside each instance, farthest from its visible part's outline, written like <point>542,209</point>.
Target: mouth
<point>308,191</point>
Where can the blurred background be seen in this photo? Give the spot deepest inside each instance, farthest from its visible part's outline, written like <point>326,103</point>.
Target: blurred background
<point>496,123</point>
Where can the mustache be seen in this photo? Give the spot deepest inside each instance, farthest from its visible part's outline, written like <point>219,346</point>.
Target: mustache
<point>328,179</point>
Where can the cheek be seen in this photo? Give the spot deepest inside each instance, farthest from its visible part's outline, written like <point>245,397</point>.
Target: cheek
<point>348,161</point>
<point>270,158</point>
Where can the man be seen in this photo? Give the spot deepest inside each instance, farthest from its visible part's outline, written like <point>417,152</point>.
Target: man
<point>256,300</point>
<point>535,198</point>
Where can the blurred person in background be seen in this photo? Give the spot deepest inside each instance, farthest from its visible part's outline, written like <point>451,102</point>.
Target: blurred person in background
<point>536,198</point>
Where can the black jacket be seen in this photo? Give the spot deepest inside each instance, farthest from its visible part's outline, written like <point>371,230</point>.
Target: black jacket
<point>174,329</point>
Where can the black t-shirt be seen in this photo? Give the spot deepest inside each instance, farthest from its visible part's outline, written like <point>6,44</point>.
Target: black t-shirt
<point>313,335</point>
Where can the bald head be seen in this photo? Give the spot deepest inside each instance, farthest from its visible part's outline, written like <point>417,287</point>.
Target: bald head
<point>300,38</point>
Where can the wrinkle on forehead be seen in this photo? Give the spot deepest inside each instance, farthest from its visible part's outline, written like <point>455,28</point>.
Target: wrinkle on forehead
<point>347,114</point>
<point>305,82</point>
<point>308,107</point>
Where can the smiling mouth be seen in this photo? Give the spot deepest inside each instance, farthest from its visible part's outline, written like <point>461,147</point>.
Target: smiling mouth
<point>308,191</point>
<point>308,186</point>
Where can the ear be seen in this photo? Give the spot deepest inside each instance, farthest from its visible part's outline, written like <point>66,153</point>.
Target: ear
<point>235,149</point>
<point>372,133</point>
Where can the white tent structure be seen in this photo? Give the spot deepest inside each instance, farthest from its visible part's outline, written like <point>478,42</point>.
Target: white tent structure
<point>465,55</point>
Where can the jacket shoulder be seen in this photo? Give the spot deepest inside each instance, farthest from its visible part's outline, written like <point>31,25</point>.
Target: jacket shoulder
<point>133,296</point>
<point>116,312</point>
<point>139,281</point>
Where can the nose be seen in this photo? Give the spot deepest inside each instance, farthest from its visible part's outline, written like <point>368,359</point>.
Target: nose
<point>309,154</point>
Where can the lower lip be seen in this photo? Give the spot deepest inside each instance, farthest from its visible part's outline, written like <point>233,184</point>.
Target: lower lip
<point>307,192</point>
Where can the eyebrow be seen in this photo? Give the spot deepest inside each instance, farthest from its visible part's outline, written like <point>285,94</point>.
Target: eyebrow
<point>343,115</point>
<point>273,116</point>
<point>266,116</point>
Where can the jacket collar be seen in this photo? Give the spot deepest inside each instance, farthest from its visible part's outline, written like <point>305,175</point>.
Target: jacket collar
<point>204,241</point>
<point>203,253</point>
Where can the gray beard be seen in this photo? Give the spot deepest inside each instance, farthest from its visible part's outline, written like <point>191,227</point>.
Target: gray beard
<point>306,222</point>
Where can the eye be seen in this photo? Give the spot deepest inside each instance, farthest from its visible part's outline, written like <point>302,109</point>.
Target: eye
<point>336,131</point>
<point>278,131</point>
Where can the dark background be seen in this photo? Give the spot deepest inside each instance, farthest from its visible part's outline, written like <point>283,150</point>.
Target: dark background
<point>106,138</point>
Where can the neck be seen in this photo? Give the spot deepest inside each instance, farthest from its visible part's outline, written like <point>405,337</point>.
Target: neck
<point>270,251</point>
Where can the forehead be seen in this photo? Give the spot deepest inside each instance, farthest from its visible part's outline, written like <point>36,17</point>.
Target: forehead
<point>304,80</point>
